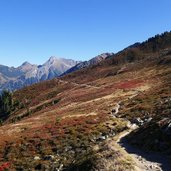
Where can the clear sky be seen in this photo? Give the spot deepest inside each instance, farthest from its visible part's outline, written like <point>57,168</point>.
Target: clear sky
<point>34,30</point>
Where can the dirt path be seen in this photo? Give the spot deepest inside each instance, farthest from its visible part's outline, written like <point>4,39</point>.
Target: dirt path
<point>78,84</point>
<point>144,161</point>
<point>83,115</point>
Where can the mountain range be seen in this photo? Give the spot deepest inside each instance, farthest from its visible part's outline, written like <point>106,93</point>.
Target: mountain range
<point>15,78</point>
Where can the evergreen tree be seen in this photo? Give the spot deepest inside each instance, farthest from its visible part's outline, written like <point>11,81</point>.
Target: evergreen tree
<point>6,102</point>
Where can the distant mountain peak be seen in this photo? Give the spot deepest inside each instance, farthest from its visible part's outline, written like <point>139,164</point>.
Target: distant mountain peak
<point>102,56</point>
<point>26,63</point>
<point>26,66</point>
<point>52,58</point>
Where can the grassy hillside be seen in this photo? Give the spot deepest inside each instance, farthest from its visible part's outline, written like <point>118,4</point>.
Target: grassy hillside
<point>66,122</point>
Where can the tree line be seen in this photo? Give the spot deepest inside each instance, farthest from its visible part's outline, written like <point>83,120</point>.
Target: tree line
<point>6,104</point>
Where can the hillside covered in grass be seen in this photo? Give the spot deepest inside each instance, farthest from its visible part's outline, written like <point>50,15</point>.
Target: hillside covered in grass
<point>68,123</point>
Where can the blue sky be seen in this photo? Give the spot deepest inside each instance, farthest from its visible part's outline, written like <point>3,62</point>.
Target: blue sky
<point>34,30</point>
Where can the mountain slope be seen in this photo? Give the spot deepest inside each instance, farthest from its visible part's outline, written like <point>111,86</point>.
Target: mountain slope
<point>68,123</point>
<point>91,62</point>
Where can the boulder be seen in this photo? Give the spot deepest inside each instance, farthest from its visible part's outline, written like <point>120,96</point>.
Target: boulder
<point>36,158</point>
<point>49,157</point>
<point>138,121</point>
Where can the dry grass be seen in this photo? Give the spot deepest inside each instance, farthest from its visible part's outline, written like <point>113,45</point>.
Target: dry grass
<point>82,113</point>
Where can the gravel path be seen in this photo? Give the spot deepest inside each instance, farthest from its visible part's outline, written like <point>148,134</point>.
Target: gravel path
<point>144,161</point>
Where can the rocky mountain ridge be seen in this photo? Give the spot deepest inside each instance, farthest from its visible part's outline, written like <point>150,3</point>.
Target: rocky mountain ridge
<point>27,74</point>
<point>15,78</point>
<point>91,62</point>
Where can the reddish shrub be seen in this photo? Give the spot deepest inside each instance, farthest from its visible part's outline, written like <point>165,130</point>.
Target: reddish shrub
<point>128,84</point>
<point>4,166</point>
